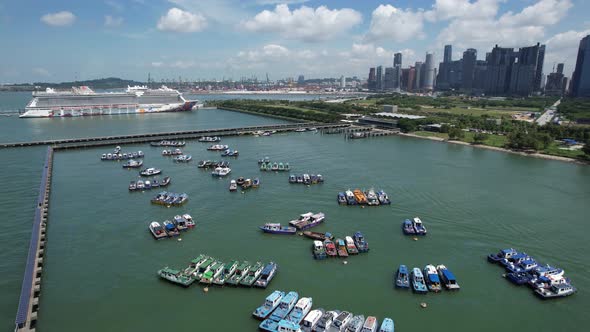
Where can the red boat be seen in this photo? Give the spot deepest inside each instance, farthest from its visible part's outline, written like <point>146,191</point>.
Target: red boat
<point>330,248</point>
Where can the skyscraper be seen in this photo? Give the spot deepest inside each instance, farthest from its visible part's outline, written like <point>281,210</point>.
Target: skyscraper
<point>448,54</point>
<point>527,70</point>
<point>301,80</point>
<point>411,79</point>
<point>417,76</point>
<point>428,83</point>
<point>379,78</point>
<point>581,77</point>
<point>397,60</point>
<point>560,68</point>
<point>342,82</point>
<point>500,61</point>
<point>388,79</point>
<point>372,81</point>
<point>468,70</point>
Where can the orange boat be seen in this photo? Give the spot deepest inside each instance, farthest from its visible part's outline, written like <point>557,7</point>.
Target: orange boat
<point>359,196</point>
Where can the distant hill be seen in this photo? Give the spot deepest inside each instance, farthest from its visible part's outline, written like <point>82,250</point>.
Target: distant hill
<point>102,83</point>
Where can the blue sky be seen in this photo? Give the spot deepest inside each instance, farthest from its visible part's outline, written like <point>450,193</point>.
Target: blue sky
<point>62,40</point>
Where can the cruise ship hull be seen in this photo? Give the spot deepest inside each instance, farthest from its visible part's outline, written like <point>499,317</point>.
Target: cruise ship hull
<point>94,110</point>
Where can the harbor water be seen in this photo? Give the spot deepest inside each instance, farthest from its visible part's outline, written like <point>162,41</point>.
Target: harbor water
<point>101,261</point>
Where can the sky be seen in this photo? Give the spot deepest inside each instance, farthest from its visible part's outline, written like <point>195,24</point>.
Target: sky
<point>64,40</point>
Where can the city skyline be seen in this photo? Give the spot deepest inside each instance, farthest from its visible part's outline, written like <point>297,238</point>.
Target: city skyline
<point>67,40</point>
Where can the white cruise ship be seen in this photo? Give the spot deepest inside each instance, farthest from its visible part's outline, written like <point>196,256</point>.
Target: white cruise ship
<point>82,101</point>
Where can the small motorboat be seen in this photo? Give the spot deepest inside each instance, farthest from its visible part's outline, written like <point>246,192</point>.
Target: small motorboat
<point>233,186</point>
<point>341,247</point>
<point>230,153</point>
<point>308,220</point>
<point>320,178</point>
<point>263,161</point>
<point>350,199</point>
<point>355,324</point>
<point>150,171</point>
<point>133,164</point>
<point>306,179</point>
<point>300,130</point>
<point>247,184</point>
<point>287,167</point>
<point>270,303</point>
<point>103,157</point>
<point>503,254</point>
<point>274,167</point>
<point>302,308</point>
<point>341,198</point>
<point>431,278</point>
<point>387,325</point>
<point>140,185</point>
<point>170,228</point>
<point>340,322</point>
<point>256,183</point>
<point>190,222</point>
<point>292,179</point>
<point>359,196</point>
<point>350,246</point>
<point>221,171</point>
<point>263,167</point>
<point>331,250</point>
<point>383,198</point>
<point>419,227</point>
<point>402,279</point>
<point>447,278</point>
<point>276,228</point>
<point>204,164</point>
<point>311,320</point>
<point>560,290</point>
<point>370,324</point>
<point>408,227</point>
<point>132,186</point>
<point>372,198</point>
<point>318,249</point>
<point>281,167</point>
<point>299,178</point>
<point>185,158</point>
<point>360,242</point>
<point>318,235</point>
<point>157,230</point>
<point>417,279</point>
<point>267,274</point>
<point>240,181</point>
<point>209,139</point>
<point>148,184</point>
<point>165,181</point>
<point>218,147</point>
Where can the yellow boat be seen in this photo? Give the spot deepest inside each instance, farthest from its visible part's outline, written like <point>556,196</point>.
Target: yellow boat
<point>359,196</point>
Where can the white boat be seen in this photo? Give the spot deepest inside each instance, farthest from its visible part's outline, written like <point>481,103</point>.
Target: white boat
<point>370,325</point>
<point>311,320</point>
<point>233,186</point>
<point>301,310</point>
<point>221,171</point>
<point>189,220</point>
<point>340,322</point>
<point>157,230</point>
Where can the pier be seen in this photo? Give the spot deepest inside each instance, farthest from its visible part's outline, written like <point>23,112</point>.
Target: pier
<point>177,135</point>
<point>28,305</point>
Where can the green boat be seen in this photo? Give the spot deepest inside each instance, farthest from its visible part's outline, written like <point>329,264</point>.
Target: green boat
<point>194,265</point>
<point>175,276</point>
<point>226,273</point>
<point>214,270</point>
<point>241,271</point>
<point>203,268</point>
<point>252,274</point>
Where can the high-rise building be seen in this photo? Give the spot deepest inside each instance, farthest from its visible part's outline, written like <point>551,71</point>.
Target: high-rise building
<point>418,76</point>
<point>404,79</point>
<point>411,79</point>
<point>388,79</point>
<point>379,78</point>
<point>448,57</point>
<point>580,86</point>
<point>468,70</point>
<point>560,68</point>
<point>342,82</point>
<point>428,83</point>
<point>499,69</point>
<point>372,81</point>
<point>301,80</point>
<point>527,70</point>
<point>397,60</point>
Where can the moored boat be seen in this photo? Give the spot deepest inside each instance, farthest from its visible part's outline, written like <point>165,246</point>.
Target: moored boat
<point>350,199</point>
<point>359,196</point>
<point>387,325</point>
<point>355,324</point>
<point>274,167</point>
<point>318,235</point>
<point>372,198</point>
<point>170,228</point>
<point>270,303</point>
<point>239,274</point>
<point>402,279</point>
<point>221,171</point>
<point>447,278</point>
<point>319,252</point>
<point>326,321</point>
<point>292,178</point>
<point>150,171</point>
<point>185,158</point>
<point>431,278</point>
<point>560,290</point>
<point>276,228</point>
<point>194,264</point>
<point>301,310</point>
<point>350,246</point>
<point>341,247</point>
<point>175,276</point>
<point>267,275</point>
<point>330,248</point>
<point>408,227</point>
<point>308,220</point>
<point>133,186</point>
<point>252,274</point>
<point>383,198</point>
<point>256,183</point>
<point>133,164</point>
<point>360,242</point>
<point>247,184</point>
<point>341,198</point>
<point>180,223</point>
<point>157,230</point>
<point>217,147</point>
<point>226,273</point>
<point>340,322</point>
<point>190,222</point>
<point>311,320</point>
<point>419,226</point>
<point>165,181</point>
<point>204,267</point>
<point>233,186</point>
<point>285,306</point>
<point>417,281</point>
<point>214,270</point>
<point>503,254</point>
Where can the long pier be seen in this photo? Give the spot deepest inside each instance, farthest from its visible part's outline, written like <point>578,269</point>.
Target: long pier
<point>28,305</point>
<point>176,135</point>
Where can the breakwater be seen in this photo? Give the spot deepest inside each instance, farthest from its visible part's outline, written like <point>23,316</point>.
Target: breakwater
<point>26,317</point>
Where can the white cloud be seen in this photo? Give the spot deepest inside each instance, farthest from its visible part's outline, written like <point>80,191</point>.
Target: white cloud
<point>305,23</point>
<point>41,72</point>
<point>59,19</point>
<point>391,23</point>
<point>563,47</point>
<point>117,6</point>
<point>112,21</point>
<point>178,20</point>
<point>178,64</point>
<point>448,9</point>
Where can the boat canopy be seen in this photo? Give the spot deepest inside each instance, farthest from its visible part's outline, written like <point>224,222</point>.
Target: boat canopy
<point>448,275</point>
<point>170,271</point>
<point>268,268</point>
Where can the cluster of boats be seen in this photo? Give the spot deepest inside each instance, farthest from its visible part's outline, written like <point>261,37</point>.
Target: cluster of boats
<point>413,227</point>
<point>175,152</point>
<point>290,313</point>
<point>221,171</point>
<point>306,178</point>
<point>209,139</point>
<point>212,164</point>
<point>169,199</point>
<point>210,271</point>
<point>358,197</point>
<point>545,280</point>
<point>171,228</point>
<point>433,279</point>
<point>263,133</point>
<point>305,221</point>
<point>183,158</point>
<point>218,147</point>
<point>243,183</point>
<point>351,245</point>
<point>133,163</point>
<point>117,155</point>
<point>150,171</point>
<point>275,167</point>
<point>168,143</point>
<point>147,184</point>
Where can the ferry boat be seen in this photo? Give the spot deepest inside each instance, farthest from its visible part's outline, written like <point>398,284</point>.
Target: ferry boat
<point>226,273</point>
<point>83,101</point>
<point>359,196</point>
<point>418,281</point>
<point>150,171</point>
<point>560,290</point>
<point>340,322</point>
<point>270,303</point>
<point>387,325</point>
<point>383,198</point>
<point>318,235</point>
<point>402,280</point>
<point>213,271</point>
<point>341,247</point>
<point>355,324</point>
<point>447,278</point>
<point>431,278</point>
<point>157,230</point>
<point>239,274</point>
<point>267,275</point>
<point>275,228</point>
<point>372,198</point>
<point>330,248</point>
<point>350,198</point>
<point>350,247</point>
<point>175,276</point>
<point>360,242</point>
<point>252,274</point>
<point>311,320</point>
<point>308,220</point>
<point>301,310</point>
<point>326,321</point>
<point>133,164</point>
<point>319,252</point>
<point>418,226</point>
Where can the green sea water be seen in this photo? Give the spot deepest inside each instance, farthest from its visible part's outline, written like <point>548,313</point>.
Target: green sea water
<point>101,262</point>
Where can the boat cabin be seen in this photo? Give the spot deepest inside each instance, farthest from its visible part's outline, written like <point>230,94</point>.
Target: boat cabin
<point>311,319</point>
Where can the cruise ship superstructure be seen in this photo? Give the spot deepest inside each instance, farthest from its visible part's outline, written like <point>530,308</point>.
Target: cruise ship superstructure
<point>83,101</point>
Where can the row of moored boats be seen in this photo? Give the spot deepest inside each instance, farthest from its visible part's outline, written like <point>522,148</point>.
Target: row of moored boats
<point>545,280</point>
<point>171,228</point>
<point>306,178</point>
<point>413,227</point>
<point>170,199</point>
<point>275,167</point>
<point>245,184</point>
<point>208,270</point>
<point>147,184</point>
<point>290,313</point>
<point>358,197</point>
<point>167,143</point>
<point>430,279</point>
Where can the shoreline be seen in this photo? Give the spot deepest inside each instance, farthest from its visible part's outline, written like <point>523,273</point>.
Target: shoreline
<point>494,148</point>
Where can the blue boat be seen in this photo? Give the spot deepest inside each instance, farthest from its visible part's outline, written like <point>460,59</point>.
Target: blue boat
<point>524,266</point>
<point>292,179</point>
<point>419,227</point>
<point>431,278</point>
<point>274,228</point>
<point>418,281</point>
<point>270,303</point>
<point>287,303</point>
<point>447,278</point>
<point>402,279</point>
<point>503,254</point>
<point>519,278</point>
<point>301,309</point>
<point>383,198</point>
<point>408,227</point>
<point>341,198</point>
<point>266,275</point>
<point>360,242</point>
<point>387,325</point>
<point>515,259</point>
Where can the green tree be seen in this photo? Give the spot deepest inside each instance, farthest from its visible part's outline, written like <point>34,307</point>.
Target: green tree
<point>586,149</point>
<point>456,133</point>
<point>479,138</point>
<point>407,125</point>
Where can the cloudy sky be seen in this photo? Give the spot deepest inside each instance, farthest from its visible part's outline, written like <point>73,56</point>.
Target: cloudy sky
<point>61,40</point>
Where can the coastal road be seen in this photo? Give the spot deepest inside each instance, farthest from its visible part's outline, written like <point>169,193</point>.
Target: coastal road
<point>549,114</point>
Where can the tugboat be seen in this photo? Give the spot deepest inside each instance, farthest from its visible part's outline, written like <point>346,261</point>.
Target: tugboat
<point>330,248</point>
<point>350,199</point>
<point>273,228</point>
<point>341,247</point>
<point>341,198</point>
<point>401,279</point>
<point>418,281</point>
<point>233,186</point>
<point>350,247</point>
<point>252,274</point>
<point>133,164</point>
<point>432,280</point>
<point>150,171</point>
<point>360,242</point>
<point>267,274</point>
<point>157,230</point>
<point>319,252</point>
<point>270,303</point>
